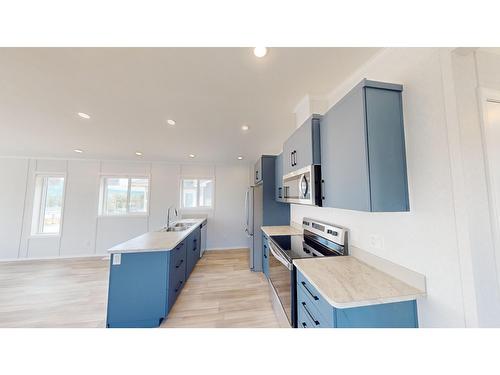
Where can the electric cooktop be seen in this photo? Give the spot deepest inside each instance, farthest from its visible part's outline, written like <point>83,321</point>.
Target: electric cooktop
<point>307,245</point>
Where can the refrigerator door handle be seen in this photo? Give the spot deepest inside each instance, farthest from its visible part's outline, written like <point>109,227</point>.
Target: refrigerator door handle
<point>248,213</point>
<point>246,210</point>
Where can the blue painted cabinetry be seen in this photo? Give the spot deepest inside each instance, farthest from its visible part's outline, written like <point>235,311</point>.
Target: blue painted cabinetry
<point>138,288</point>
<point>267,211</point>
<point>303,148</point>
<point>313,311</point>
<point>258,173</point>
<point>192,250</point>
<point>265,255</point>
<point>278,180</point>
<point>363,161</point>
<point>143,286</point>
<point>177,272</point>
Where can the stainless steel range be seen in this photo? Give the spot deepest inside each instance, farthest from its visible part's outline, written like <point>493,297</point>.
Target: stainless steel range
<point>318,240</point>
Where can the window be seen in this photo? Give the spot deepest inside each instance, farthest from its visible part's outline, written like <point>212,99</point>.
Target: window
<point>197,193</point>
<point>48,205</point>
<point>124,196</point>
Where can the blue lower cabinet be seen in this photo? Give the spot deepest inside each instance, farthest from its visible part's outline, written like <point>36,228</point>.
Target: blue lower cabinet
<point>265,256</point>
<point>192,250</point>
<point>308,309</point>
<point>314,311</point>
<point>386,315</point>
<point>303,319</point>
<point>311,296</point>
<point>144,286</point>
<point>138,289</point>
<point>177,273</point>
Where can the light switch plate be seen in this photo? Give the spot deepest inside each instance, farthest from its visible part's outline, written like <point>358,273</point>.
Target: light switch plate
<point>117,259</point>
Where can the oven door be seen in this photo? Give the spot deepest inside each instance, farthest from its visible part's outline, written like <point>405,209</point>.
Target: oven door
<point>280,275</point>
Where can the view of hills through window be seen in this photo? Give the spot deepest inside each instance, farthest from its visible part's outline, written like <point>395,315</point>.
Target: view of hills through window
<point>125,195</point>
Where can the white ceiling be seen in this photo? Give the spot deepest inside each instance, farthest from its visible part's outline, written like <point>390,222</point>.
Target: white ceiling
<point>131,92</point>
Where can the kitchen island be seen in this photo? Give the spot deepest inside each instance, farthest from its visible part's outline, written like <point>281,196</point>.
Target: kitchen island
<point>148,272</point>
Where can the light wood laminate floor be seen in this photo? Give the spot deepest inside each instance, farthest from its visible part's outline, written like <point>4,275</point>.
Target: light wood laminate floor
<point>221,292</point>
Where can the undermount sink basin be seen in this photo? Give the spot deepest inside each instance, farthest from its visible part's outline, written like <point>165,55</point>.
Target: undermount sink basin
<point>178,227</point>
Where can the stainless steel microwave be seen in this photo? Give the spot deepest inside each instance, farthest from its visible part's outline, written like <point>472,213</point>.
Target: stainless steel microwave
<point>303,186</point>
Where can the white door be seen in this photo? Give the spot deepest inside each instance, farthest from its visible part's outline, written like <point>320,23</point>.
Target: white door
<point>491,111</point>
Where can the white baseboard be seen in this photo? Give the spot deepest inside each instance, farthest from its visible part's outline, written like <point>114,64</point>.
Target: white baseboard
<point>88,256</point>
<point>229,248</point>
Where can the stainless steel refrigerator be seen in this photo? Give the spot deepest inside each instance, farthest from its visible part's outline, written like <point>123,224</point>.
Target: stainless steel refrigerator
<point>254,213</point>
<point>262,209</point>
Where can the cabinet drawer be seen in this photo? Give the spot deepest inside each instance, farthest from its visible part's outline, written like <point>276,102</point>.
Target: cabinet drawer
<point>303,320</point>
<point>178,253</point>
<point>176,282</point>
<point>315,298</point>
<point>311,311</point>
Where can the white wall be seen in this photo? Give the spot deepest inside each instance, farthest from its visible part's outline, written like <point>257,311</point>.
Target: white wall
<point>83,233</point>
<point>425,239</point>
<point>228,223</point>
<point>14,172</point>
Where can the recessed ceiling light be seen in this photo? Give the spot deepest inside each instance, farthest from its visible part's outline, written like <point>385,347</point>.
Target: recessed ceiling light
<point>83,115</point>
<point>260,51</point>
<point>240,157</point>
<point>78,150</point>
<point>171,122</point>
<point>244,128</point>
<point>138,153</point>
<point>192,155</point>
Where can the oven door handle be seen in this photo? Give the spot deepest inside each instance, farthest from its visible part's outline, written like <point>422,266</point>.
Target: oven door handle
<point>280,257</point>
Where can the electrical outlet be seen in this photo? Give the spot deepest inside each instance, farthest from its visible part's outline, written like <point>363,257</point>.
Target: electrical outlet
<point>117,259</point>
<point>376,242</point>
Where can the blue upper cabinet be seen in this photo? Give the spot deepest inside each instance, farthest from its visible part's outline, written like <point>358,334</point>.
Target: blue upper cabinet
<point>363,161</point>
<point>303,148</point>
<point>278,180</point>
<point>258,172</point>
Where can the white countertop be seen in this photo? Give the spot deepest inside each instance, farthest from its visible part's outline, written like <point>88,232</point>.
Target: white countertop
<point>156,241</point>
<point>346,281</point>
<point>281,230</point>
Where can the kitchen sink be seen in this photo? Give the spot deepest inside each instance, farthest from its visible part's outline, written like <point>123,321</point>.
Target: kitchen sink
<point>177,227</point>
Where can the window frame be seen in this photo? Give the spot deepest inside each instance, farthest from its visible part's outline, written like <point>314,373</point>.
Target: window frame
<point>40,206</point>
<point>102,209</point>
<point>198,207</point>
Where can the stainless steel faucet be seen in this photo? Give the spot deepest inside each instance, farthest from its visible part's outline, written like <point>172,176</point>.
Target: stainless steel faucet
<point>168,215</point>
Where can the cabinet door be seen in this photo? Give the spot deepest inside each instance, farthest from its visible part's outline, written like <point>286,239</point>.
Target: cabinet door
<point>386,150</point>
<point>190,253</point>
<point>344,161</point>
<point>287,156</point>
<point>265,256</point>
<point>278,179</point>
<point>303,146</point>
<point>196,245</point>
<point>258,171</point>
